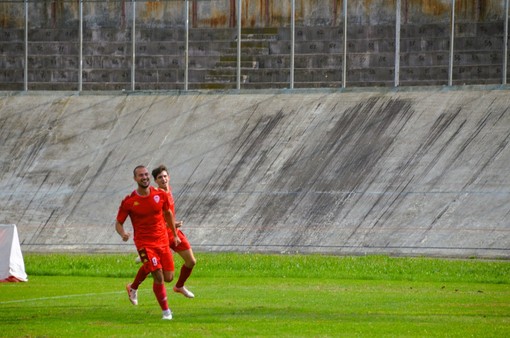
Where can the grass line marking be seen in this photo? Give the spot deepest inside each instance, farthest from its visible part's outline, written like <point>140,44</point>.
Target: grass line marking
<point>60,297</point>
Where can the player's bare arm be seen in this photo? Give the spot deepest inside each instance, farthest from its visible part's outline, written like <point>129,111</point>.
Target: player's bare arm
<point>170,221</point>
<point>120,230</point>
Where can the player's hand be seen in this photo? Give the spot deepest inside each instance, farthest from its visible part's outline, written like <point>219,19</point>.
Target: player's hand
<point>177,240</point>
<point>178,224</point>
<point>125,236</point>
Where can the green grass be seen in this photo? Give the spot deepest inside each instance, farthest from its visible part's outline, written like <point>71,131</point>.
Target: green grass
<point>242,295</point>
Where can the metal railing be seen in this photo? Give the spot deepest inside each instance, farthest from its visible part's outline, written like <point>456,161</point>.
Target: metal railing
<point>239,14</point>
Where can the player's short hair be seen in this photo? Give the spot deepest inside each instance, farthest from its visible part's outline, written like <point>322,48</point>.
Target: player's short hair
<point>136,168</point>
<point>158,170</point>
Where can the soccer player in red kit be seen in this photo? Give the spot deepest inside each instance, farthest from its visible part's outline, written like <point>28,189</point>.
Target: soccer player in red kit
<point>184,250</point>
<point>149,211</point>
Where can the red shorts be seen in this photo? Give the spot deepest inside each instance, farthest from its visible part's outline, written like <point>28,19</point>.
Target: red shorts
<point>155,258</point>
<point>184,245</point>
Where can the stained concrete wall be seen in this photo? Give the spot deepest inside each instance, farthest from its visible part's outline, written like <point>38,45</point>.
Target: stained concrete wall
<point>422,172</point>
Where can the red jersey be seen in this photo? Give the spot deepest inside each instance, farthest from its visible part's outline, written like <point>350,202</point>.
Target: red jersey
<point>172,208</point>
<point>171,200</point>
<point>146,216</point>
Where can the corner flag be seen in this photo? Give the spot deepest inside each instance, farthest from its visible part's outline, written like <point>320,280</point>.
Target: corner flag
<point>12,266</point>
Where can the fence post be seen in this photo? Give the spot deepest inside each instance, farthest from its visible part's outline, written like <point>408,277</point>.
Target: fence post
<point>25,71</point>
<point>397,43</point>
<point>186,52</point>
<point>80,75</point>
<point>238,66</point>
<point>505,44</point>
<point>293,41</point>
<point>133,43</point>
<point>452,37</point>
<point>344,64</point>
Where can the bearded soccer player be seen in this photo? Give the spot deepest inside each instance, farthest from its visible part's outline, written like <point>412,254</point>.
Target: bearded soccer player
<point>150,213</point>
<point>184,250</point>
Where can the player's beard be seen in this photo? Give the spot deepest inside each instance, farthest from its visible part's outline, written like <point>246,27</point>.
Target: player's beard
<point>143,184</point>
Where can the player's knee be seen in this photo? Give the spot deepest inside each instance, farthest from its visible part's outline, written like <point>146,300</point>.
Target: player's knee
<point>190,263</point>
<point>169,277</point>
<point>157,276</point>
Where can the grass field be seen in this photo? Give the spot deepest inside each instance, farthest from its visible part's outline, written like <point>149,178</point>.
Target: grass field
<point>247,295</point>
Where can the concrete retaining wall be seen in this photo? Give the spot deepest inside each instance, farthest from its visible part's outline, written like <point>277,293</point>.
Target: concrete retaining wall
<point>421,172</point>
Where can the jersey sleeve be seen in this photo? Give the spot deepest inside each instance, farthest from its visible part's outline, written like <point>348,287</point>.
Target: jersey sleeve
<point>123,212</point>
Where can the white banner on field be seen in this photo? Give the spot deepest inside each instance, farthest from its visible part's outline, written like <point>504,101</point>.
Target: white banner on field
<point>12,266</point>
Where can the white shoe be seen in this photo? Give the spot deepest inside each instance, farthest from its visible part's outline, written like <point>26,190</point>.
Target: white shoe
<point>167,315</point>
<point>132,294</point>
<point>138,259</point>
<point>184,291</point>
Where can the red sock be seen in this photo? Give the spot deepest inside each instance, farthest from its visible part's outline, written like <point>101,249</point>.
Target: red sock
<point>183,276</point>
<point>140,277</point>
<point>160,292</point>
